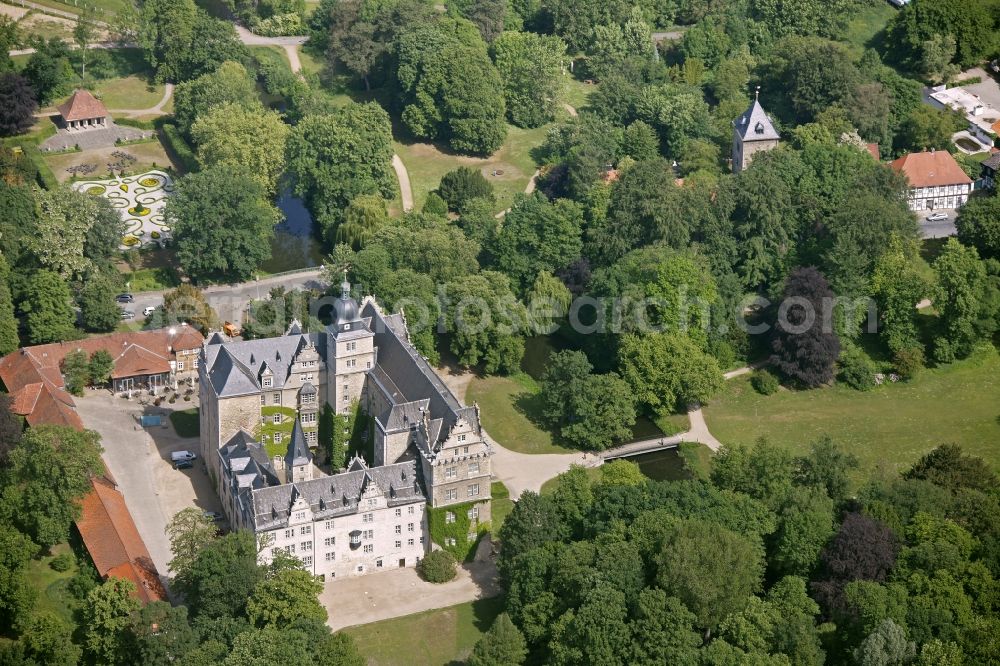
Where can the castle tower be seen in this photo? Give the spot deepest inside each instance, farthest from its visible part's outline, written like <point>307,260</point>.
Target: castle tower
<point>298,460</point>
<point>350,352</point>
<point>753,133</point>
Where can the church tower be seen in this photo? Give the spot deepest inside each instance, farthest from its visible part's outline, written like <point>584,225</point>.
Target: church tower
<point>350,352</point>
<point>753,133</point>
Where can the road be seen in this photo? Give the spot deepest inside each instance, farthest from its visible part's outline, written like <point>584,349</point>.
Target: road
<point>229,301</point>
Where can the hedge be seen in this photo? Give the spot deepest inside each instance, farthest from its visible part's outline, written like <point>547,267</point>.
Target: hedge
<point>175,143</point>
<point>133,122</point>
<point>440,530</point>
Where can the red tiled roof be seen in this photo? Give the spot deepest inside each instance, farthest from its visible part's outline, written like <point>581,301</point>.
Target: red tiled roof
<point>873,151</point>
<point>136,361</point>
<point>113,541</point>
<point>82,106</point>
<point>931,169</point>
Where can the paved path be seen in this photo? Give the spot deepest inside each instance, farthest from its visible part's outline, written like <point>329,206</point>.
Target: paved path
<point>251,39</point>
<point>95,45</point>
<point>528,189</point>
<point>398,592</point>
<point>405,191</point>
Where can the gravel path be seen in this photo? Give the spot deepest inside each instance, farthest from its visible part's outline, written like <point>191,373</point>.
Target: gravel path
<point>405,191</point>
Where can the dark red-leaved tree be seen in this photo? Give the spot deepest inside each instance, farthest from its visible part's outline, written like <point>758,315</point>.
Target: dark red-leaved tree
<point>803,343</point>
<point>17,104</point>
<point>863,549</point>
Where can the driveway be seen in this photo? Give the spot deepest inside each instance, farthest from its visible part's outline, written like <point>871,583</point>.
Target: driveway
<point>399,592</point>
<point>988,90</point>
<point>139,461</point>
<point>937,229</point>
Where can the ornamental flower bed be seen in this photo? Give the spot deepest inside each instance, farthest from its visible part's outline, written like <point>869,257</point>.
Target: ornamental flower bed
<point>143,217</point>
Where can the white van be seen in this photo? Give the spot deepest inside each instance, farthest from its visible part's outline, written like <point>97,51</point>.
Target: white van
<point>178,456</point>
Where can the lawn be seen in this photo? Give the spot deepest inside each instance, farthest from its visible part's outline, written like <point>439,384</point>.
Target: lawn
<point>434,638</point>
<point>51,584</point>
<point>128,92</point>
<point>506,404</point>
<point>865,24</point>
<point>186,422</point>
<point>149,155</point>
<point>502,505</point>
<point>893,424</point>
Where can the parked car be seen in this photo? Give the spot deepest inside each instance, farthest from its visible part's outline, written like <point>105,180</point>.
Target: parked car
<point>213,515</point>
<point>182,455</point>
<point>128,314</point>
<point>937,217</point>
<point>183,464</point>
<point>148,310</point>
<point>125,298</point>
<point>995,66</point>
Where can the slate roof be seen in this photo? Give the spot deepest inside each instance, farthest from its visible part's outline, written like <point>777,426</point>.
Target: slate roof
<point>298,450</point>
<point>82,106</point>
<point>337,495</point>
<point>992,162</point>
<point>931,169</point>
<point>413,379</point>
<point>754,125</point>
<point>234,368</point>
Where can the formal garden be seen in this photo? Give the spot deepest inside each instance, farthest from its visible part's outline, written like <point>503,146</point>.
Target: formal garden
<point>140,201</point>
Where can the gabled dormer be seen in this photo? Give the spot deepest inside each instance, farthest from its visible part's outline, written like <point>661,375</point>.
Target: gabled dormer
<point>265,376</point>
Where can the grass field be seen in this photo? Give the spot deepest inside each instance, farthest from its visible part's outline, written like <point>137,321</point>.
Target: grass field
<point>51,584</point>
<point>434,638</point>
<point>893,424</point>
<point>865,24</point>
<point>186,422</point>
<point>502,505</point>
<point>128,92</point>
<point>148,156</point>
<point>505,404</point>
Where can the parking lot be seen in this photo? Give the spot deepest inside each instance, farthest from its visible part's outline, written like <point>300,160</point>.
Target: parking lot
<point>941,229</point>
<point>139,460</point>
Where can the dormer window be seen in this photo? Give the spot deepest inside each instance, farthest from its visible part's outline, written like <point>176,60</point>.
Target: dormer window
<point>266,382</point>
<point>759,128</point>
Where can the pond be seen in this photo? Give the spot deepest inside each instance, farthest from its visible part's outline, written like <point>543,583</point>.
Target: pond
<point>294,244</point>
<point>663,465</point>
<point>968,144</point>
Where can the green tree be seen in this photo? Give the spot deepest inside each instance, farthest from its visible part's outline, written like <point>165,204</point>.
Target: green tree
<point>937,58</point>
<point>502,645</point>
<point>182,42</point>
<point>270,645</point>
<point>222,577</point>
<point>336,157</point>
<point>764,472</point>
<point>564,371</point>
<point>17,594</point>
<point>106,617</point>
<point>640,142</point>
<point>286,597</point>
<point>575,21</point>
<point>437,567</point>
<point>234,136</point>
<point>229,84</point>
<point>597,632</point>
<point>48,71</point>
<point>17,104</point>
<point>49,315</point>
<point>886,646</point>
<point>189,532</point>
<point>98,309</point>
<point>536,236</point>
<point>76,371</point>
<point>601,414</point>
<point>664,630</point>
<point>84,32</point>
<point>364,216</point>
<point>49,640</point>
<point>46,475</point>
<point>978,225</point>
<point>827,466</point>
<point>462,185</point>
<point>99,367</point>
<point>9,340</point>
<point>961,300</point>
<point>185,304</point>
<point>668,371</point>
<point>486,322</point>
<point>449,88</point>
<point>897,288</point>
<point>222,223</point>
<point>970,24</point>
<point>712,570</point>
<point>805,524</point>
<point>65,219</point>
<point>678,113</point>
<point>529,65</point>
<point>160,634</point>
<point>814,74</point>
<point>929,128</point>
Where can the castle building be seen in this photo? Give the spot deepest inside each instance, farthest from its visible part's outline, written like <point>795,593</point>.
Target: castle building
<point>753,132</point>
<point>261,402</point>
